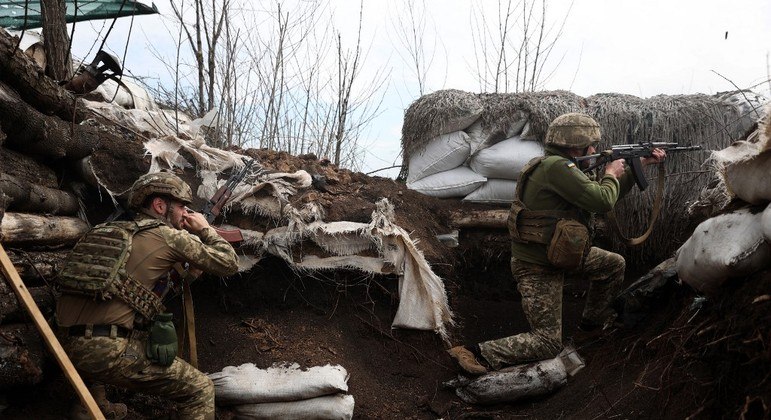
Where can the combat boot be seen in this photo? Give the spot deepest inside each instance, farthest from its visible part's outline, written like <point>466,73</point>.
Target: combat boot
<point>467,361</point>
<point>115,411</point>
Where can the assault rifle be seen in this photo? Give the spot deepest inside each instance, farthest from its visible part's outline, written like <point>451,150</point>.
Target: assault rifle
<point>213,207</point>
<point>632,154</point>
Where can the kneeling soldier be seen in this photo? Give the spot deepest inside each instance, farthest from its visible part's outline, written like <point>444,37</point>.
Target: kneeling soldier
<point>110,317</point>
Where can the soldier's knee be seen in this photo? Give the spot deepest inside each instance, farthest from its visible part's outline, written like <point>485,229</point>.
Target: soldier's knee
<point>551,342</point>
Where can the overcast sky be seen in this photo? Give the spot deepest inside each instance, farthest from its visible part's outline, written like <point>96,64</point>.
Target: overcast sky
<point>642,48</point>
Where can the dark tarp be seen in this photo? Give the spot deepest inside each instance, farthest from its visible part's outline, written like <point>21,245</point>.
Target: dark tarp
<point>12,15</point>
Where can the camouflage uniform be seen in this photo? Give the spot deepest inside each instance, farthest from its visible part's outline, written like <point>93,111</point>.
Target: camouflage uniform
<point>558,184</point>
<point>122,361</point>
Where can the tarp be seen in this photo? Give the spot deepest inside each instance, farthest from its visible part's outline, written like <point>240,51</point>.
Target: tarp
<point>13,16</point>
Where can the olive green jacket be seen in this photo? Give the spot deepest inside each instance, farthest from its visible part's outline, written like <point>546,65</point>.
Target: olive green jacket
<point>558,184</point>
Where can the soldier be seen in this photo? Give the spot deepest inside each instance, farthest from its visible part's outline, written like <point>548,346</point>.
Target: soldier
<point>110,316</point>
<point>549,223</point>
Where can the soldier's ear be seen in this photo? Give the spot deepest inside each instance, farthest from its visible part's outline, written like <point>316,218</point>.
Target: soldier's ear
<point>159,205</point>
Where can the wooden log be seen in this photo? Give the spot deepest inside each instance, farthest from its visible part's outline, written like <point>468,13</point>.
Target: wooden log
<point>27,169</point>
<point>30,131</point>
<point>479,218</point>
<point>44,93</point>
<point>12,311</point>
<point>27,197</point>
<point>37,267</point>
<point>32,229</point>
<point>21,356</point>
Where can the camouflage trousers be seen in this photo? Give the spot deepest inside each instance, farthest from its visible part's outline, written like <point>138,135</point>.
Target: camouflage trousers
<point>122,362</point>
<point>541,290</point>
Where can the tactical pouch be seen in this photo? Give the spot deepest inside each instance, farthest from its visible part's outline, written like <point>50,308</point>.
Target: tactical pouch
<point>568,245</point>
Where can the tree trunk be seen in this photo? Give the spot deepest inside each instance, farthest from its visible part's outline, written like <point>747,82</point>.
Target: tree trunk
<point>43,93</point>
<point>11,311</point>
<point>21,356</point>
<point>479,218</point>
<point>57,43</point>
<point>29,131</point>
<point>38,267</point>
<point>26,168</point>
<point>31,229</point>
<point>27,197</point>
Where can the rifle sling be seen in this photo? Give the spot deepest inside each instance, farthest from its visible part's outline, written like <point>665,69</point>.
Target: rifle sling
<point>654,213</point>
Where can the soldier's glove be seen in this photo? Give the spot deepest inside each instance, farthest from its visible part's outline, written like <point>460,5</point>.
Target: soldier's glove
<point>162,341</point>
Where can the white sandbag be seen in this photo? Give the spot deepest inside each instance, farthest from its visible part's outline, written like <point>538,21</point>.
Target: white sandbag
<point>723,247</point>
<point>248,384</point>
<point>506,159</point>
<point>765,222</point>
<point>517,382</point>
<point>479,138</point>
<point>456,182</point>
<point>442,153</point>
<point>749,179</point>
<point>494,191</point>
<point>329,407</point>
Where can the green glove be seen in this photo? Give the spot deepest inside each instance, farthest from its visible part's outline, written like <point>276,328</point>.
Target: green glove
<point>162,341</point>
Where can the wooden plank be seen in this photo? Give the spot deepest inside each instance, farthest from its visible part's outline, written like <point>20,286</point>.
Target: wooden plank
<point>48,336</point>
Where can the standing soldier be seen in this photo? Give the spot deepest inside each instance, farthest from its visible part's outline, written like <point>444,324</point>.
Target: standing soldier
<point>111,321</point>
<point>549,224</point>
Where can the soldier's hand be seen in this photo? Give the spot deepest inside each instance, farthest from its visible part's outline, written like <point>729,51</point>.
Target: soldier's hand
<point>194,222</point>
<point>657,155</point>
<point>615,168</point>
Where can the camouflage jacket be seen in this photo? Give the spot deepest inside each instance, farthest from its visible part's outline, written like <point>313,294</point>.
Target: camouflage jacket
<point>153,253</point>
<point>558,184</point>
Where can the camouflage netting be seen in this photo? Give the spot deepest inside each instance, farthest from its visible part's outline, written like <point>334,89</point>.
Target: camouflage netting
<point>712,122</point>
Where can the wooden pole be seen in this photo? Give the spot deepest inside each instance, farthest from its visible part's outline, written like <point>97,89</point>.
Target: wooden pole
<point>48,336</point>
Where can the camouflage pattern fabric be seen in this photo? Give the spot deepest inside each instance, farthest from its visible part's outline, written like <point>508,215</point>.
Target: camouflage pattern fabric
<point>122,362</point>
<point>541,290</point>
<point>573,130</point>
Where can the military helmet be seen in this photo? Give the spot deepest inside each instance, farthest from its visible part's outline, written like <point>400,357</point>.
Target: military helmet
<point>161,183</point>
<point>573,130</point>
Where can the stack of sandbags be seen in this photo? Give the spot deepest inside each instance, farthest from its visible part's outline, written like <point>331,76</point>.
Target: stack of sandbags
<point>284,391</point>
<point>738,243</point>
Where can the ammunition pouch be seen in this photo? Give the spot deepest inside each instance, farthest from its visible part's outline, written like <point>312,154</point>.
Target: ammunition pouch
<point>569,244</point>
<point>567,239</point>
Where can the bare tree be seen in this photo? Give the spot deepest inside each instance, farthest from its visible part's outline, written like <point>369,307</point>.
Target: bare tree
<point>58,63</point>
<point>512,52</point>
<point>410,30</point>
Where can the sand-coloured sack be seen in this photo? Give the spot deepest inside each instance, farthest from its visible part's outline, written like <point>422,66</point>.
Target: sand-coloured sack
<point>750,180</point>
<point>248,384</point>
<point>456,182</point>
<point>723,247</point>
<point>329,407</point>
<point>437,113</point>
<point>765,223</point>
<point>442,153</point>
<point>506,159</point>
<point>498,191</point>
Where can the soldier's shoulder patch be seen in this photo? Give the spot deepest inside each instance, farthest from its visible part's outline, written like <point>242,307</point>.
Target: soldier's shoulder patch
<point>570,164</point>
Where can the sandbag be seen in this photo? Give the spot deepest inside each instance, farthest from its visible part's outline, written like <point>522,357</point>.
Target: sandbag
<point>749,179</point>
<point>481,137</point>
<point>442,153</point>
<point>329,407</point>
<point>494,191</point>
<point>506,159</point>
<point>765,223</point>
<point>521,381</point>
<point>456,182</point>
<point>726,246</point>
<point>248,384</point>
